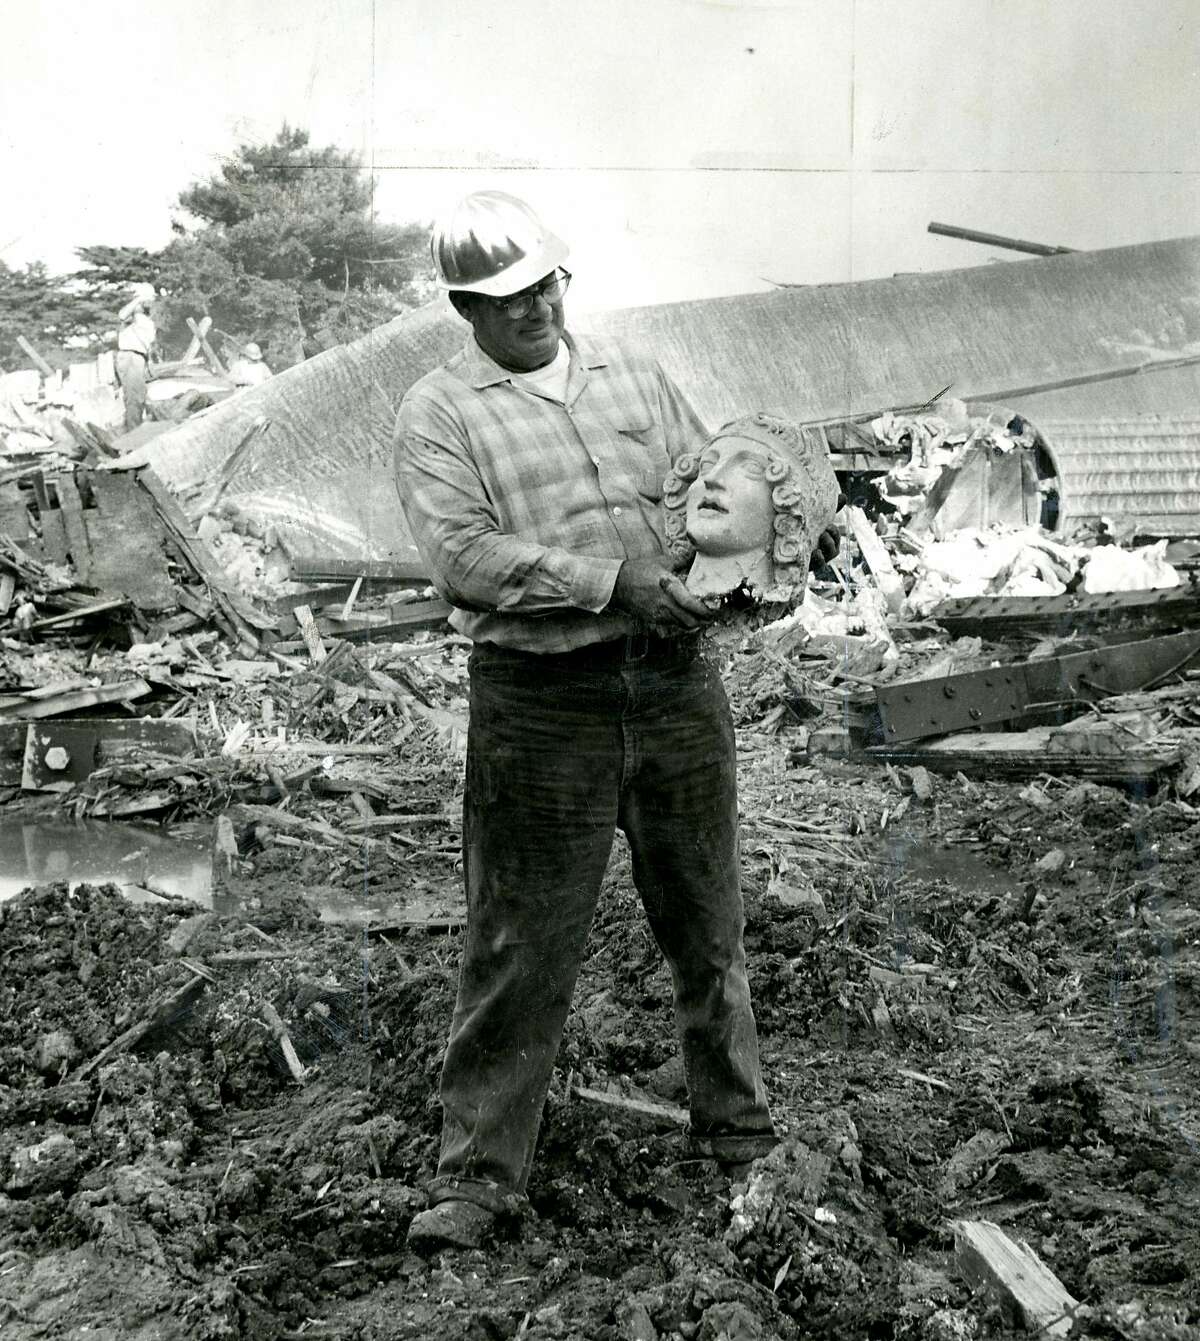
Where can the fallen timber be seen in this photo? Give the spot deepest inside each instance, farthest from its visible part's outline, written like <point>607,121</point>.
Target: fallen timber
<point>1026,1292</point>
<point>1030,754</point>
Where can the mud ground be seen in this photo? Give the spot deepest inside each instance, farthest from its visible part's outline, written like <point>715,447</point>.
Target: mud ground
<point>949,1030</point>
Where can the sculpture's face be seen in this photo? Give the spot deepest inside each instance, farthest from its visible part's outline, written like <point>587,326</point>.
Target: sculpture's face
<point>729,507</point>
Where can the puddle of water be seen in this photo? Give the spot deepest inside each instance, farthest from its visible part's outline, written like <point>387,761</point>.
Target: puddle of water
<point>960,866</point>
<point>43,852</point>
<point>178,861</point>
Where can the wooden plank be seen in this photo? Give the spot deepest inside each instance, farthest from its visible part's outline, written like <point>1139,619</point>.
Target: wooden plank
<point>55,545</point>
<point>238,612</point>
<point>283,1039</point>
<point>311,634</point>
<point>192,601</point>
<point>128,541</point>
<point>386,823</point>
<point>224,856</point>
<point>201,337</point>
<point>314,597</point>
<point>80,612</point>
<point>289,823</point>
<point>163,1011</point>
<point>71,507</point>
<point>663,1115</point>
<point>48,690</point>
<point>404,619</point>
<point>39,363</point>
<point>8,587</point>
<point>348,608</point>
<point>396,572</point>
<point>1025,754</point>
<point>877,558</point>
<point>75,701</point>
<point>231,464</point>
<point>199,331</point>
<point>1012,1275</point>
<point>337,751</point>
<point>14,515</point>
<point>89,440</point>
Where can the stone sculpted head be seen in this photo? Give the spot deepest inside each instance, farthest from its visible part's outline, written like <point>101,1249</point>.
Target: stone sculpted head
<point>749,507</point>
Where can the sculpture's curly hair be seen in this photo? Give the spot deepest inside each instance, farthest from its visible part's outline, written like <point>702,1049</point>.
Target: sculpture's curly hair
<point>784,443</point>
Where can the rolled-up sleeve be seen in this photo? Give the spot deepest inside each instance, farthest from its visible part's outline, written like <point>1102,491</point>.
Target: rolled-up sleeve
<point>473,563</point>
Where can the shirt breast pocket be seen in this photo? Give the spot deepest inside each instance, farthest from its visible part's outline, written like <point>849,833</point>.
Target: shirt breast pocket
<point>644,454</point>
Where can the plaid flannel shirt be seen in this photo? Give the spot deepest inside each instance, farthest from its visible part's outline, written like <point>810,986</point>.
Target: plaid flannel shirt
<point>524,508</point>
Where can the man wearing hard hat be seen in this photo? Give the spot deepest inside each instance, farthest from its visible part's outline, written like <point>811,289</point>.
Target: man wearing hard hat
<point>530,467</point>
<point>135,343</point>
<point>249,368</point>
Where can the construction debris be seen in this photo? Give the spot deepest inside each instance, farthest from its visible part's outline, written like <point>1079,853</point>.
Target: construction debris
<point>1029,1295</point>
<point>968,844</point>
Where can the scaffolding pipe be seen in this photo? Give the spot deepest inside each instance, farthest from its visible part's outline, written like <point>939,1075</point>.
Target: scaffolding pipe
<point>997,240</point>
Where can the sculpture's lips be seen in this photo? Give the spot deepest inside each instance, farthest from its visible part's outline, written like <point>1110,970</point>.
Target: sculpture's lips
<point>710,505</point>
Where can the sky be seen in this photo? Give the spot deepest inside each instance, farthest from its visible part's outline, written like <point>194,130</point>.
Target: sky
<point>684,148</point>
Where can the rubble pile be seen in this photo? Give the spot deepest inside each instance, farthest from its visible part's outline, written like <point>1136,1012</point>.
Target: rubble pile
<point>931,448</point>
<point>52,414</point>
<point>968,839</point>
<point>55,415</point>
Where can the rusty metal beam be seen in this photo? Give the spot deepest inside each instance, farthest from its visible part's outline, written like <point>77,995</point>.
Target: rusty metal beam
<point>920,708</point>
<point>998,240</point>
<point>1005,616</point>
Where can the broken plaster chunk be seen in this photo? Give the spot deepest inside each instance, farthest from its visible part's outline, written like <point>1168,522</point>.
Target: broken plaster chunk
<point>1052,862</point>
<point>55,1048</point>
<point>43,1167</point>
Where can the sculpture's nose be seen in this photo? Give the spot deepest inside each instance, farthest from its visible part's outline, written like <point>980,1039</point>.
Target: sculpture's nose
<point>714,476</point>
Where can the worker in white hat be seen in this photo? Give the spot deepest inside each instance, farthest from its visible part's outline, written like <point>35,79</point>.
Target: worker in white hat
<point>135,345</point>
<point>530,467</point>
<point>249,368</point>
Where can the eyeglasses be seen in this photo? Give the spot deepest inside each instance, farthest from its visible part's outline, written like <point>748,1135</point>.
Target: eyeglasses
<point>520,305</point>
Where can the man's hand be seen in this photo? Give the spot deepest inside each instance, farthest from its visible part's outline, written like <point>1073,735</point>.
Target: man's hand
<point>648,590</point>
<point>829,542</point>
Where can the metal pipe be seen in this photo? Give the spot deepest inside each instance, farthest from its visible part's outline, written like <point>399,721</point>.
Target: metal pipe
<point>997,240</point>
<point>1011,393</point>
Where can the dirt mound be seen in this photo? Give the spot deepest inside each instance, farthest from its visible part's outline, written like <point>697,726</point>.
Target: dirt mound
<point>218,1126</point>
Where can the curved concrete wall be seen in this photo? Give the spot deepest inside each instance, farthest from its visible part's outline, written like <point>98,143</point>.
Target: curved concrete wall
<point>1146,468</point>
<point>323,466</point>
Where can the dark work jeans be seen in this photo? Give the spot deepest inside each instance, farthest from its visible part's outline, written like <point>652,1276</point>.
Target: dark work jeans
<point>561,750</point>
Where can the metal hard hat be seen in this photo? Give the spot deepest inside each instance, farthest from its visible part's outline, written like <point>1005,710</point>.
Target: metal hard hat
<point>493,243</point>
<point>146,292</point>
<point>252,351</point>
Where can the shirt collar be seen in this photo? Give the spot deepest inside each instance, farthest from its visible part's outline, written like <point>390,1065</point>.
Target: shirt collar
<point>481,370</point>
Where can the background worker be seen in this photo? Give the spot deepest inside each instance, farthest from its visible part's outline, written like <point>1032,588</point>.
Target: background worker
<point>135,343</point>
<point>530,467</point>
<point>249,368</point>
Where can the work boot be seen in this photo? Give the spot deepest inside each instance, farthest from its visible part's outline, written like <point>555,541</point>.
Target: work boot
<point>450,1224</point>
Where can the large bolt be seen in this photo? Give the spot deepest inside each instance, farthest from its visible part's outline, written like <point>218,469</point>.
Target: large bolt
<point>57,757</point>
